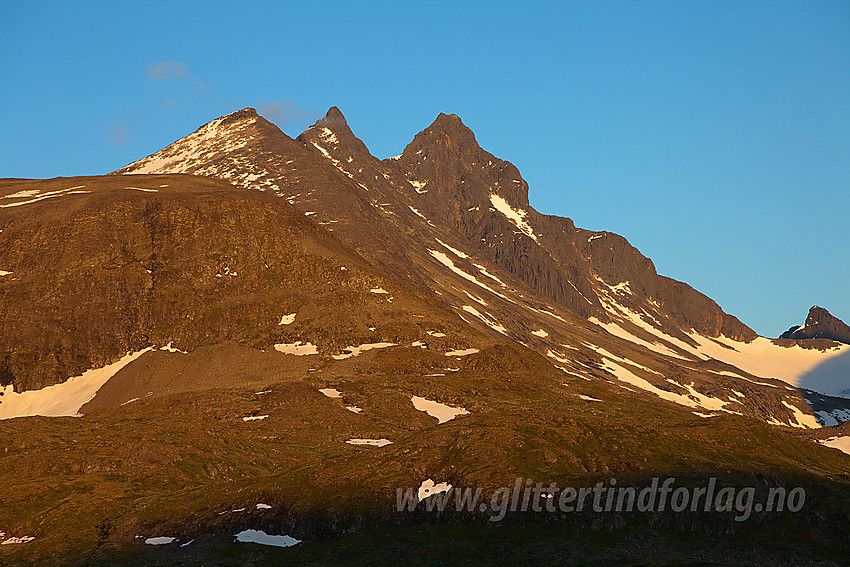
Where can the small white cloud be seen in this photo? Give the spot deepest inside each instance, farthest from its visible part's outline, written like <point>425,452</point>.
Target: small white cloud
<point>118,135</point>
<point>165,70</point>
<point>285,112</point>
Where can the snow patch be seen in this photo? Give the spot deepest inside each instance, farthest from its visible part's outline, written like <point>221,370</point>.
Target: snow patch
<point>442,258</point>
<point>23,194</point>
<point>834,417</point>
<point>540,333</point>
<point>169,348</point>
<point>328,136</point>
<point>840,443</point>
<point>516,216</point>
<point>356,350</point>
<point>416,211</point>
<point>331,392</point>
<point>297,348</point>
<point>763,358</point>
<point>821,370</point>
<point>42,196</point>
<point>418,185</point>
<point>559,357</point>
<point>484,271</point>
<point>254,418</point>
<point>262,538</point>
<point>588,398</point>
<point>455,251</point>
<point>287,319</point>
<point>693,399</point>
<point>801,419</point>
<point>13,540</point>
<point>618,331</point>
<point>465,352</point>
<point>622,287</point>
<point>442,412</point>
<point>489,321</point>
<point>428,488</point>
<point>474,298</point>
<point>370,442</point>
<point>162,540</point>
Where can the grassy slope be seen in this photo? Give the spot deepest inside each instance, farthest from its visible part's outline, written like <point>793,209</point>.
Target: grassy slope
<point>86,487</point>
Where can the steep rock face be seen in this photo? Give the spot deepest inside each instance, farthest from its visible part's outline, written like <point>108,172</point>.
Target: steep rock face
<point>97,267</point>
<point>445,184</point>
<point>486,199</point>
<point>820,324</point>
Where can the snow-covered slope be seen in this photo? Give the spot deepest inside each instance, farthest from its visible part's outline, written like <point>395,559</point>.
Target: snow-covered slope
<point>63,399</point>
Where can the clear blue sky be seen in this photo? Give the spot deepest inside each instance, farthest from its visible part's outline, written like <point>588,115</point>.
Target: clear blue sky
<point>714,135</point>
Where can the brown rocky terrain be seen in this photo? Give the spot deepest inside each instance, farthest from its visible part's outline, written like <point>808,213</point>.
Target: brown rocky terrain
<point>123,264</point>
<point>453,221</point>
<point>288,300</point>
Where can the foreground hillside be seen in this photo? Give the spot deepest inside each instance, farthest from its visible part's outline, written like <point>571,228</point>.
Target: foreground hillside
<point>278,382</point>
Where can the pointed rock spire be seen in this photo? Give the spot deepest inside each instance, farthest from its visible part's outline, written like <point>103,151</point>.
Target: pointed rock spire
<point>334,136</point>
<point>333,118</point>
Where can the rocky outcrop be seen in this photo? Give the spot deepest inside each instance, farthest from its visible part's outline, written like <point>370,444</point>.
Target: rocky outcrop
<point>820,324</point>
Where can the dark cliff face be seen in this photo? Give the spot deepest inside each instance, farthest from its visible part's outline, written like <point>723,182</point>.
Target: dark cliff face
<point>820,324</point>
<point>447,157</point>
<point>461,184</point>
<point>444,185</point>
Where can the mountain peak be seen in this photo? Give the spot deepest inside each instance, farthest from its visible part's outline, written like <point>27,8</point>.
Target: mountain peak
<point>447,157</point>
<point>448,118</point>
<point>449,137</point>
<point>333,118</point>
<point>453,128</point>
<point>333,135</point>
<point>245,113</point>
<point>820,324</point>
